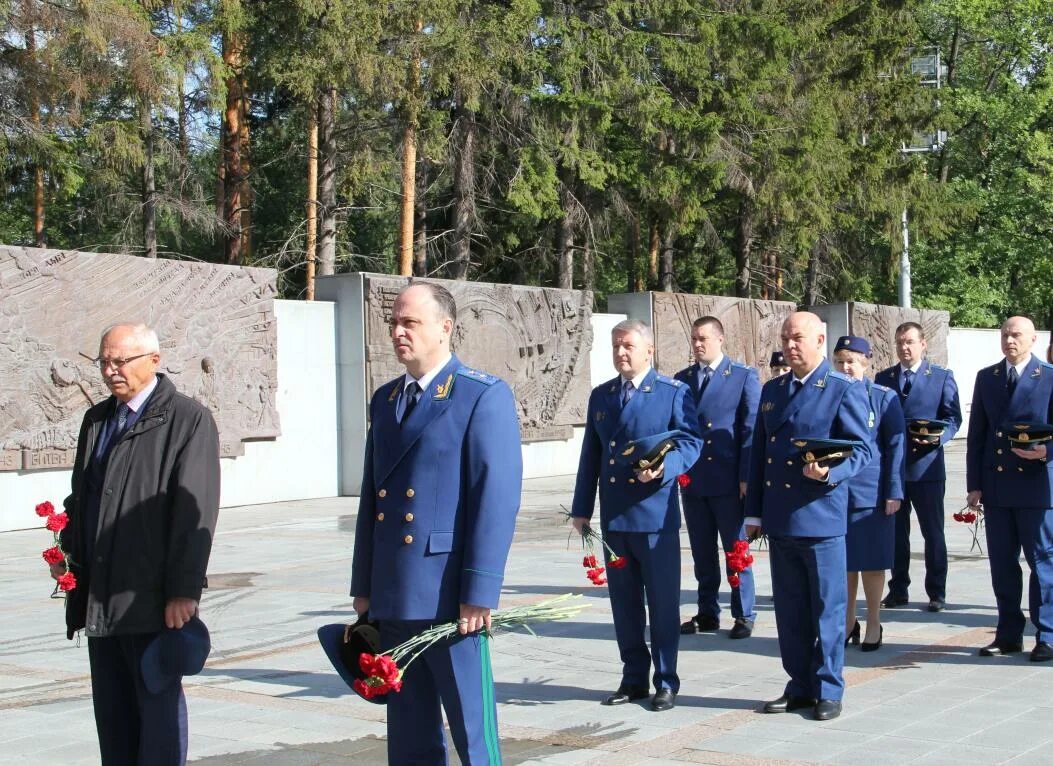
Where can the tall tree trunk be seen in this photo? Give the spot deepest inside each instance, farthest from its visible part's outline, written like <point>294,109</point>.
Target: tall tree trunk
<point>409,162</point>
<point>464,132</point>
<point>588,265</point>
<point>667,282</point>
<point>420,221</point>
<point>233,53</point>
<point>743,246</point>
<point>146,127</point>
<point>632,255</point>
<point>952,62</point>
<point>653,247</point>
<point>565,242</point>
<point>184,138</point>
<point>246,172</point>
<point>311,247</point>
<point>39,238</point>
<point>327,182</point>
<point>811,277</point>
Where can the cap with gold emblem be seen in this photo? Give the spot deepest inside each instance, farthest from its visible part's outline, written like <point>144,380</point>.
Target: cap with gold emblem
<point>928,431</point>
<point>1026,435</point>
<point>649,451</point>
<point>824,450</point>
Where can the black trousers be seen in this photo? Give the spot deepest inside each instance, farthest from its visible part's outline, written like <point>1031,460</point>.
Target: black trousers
<point>136,728</point>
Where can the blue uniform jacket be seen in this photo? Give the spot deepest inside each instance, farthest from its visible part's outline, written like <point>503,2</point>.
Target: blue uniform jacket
<point>830,406</point>
<point>440,496</point>
<point>627,505</point>
<point>991,466</point>
<point>726,413</point>
<point>882,479</point>
<point>933,396</point>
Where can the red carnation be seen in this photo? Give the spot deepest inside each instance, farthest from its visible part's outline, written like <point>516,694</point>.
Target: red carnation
<point>617,562</point>
<point>589,562</point>
<point>958,516</point>
<point>57,522</point>
<point>596,575</point>
<point>969,517</point>
<point>733,580</point>
<point>67,582</point>
<point>369,690</point>
<point>683,480</point>
<point>45,509</point>
<point>54,555</point>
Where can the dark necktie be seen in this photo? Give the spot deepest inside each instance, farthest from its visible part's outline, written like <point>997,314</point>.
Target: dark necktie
<point>795,386</point>
<point>1011,381</point>
<point>112,431</point>
<point>908,381</point>
<point>707,373</point>
<point>410,395</point>
<point>627,392</point>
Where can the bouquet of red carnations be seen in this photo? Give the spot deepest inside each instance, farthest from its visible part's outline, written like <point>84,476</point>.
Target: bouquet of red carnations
<point>739,560</point>
<point>589,540</point>
<point>972,515</point>
<point>56,522</point>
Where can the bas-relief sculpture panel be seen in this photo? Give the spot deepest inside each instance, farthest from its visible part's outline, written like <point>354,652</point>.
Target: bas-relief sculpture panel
<point>878,325</point>
<point>751,328</point>
<point>535,339</point>
<point>216,326</point>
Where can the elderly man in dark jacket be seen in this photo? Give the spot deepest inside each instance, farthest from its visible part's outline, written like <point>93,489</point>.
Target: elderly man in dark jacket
<point>142,517</point>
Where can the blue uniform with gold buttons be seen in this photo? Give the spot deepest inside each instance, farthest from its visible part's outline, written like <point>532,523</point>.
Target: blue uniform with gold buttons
<point>933,395</point>
<point>1017,494</point>
<point>440,494</point>
<point>726,410</point>
<point>640,521</point>
<point>806,520</point>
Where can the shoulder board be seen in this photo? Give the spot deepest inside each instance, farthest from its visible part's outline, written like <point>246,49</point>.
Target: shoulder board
<point>937,367</point>
<point>668,381</point>
<point>741,366</point>
<point>478,375</point>
<point>840,376</point>
<point>1047,365</point>
<point>881,388</point>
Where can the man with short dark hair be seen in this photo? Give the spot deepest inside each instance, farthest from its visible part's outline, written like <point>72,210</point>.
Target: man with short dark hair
<point>440,492</point>
<point>142,517</point>
<point>1011,476</point>
<point>927,392</point>
<point>639,509</point>
<point>726,395</point>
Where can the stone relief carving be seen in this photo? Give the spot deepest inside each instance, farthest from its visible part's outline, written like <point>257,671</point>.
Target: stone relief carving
<point>536,339</point>
<point>218,344</point>
<point>751,328</point>
<point>878,325</point>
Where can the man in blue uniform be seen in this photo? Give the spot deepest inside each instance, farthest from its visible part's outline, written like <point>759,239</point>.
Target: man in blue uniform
<point>440,493</point>
<point>1015,487</point>
<point>725,395</point>
<point>927,392</point>
<point>803,508</point>
<point>639,510</point>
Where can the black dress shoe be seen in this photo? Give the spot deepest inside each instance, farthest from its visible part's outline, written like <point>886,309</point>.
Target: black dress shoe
<point>891,602</point>
<point>1000,648</point>
<point>743,628</point>
<point>875,646</point>
<point>936,605</point>
<point>788,703</point>
<point>827,710</point>
<point>663,699</point>
<point>853,637</point>
<point>1042,652</point>
<point>626,693</point>
<point>700,623</point>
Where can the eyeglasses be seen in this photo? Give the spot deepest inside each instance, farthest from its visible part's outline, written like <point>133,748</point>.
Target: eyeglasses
<point>119,364</point>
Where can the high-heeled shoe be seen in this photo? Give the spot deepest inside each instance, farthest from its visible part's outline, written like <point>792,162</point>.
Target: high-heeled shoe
<point>853,637</point>
<point>874,647</point>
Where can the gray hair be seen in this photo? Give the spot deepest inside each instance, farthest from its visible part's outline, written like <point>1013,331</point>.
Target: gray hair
<point>637,326</point>
<point>143,335</point>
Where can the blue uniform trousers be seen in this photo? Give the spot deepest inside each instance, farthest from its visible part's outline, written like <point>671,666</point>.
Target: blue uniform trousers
<point>926,497</point>
<point>1009,530</point>
<point>453,674</point>
<point>653,569</point>
<point>811,595</point>
<point>136,728</point>
<point>707,517</point>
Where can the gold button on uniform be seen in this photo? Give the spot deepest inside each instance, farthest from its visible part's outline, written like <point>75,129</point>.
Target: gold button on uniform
<point>632,481</point>
<point>789,462</point>
<point>382,493</point>
<point>410,492</point>
<point>999,434</point>
<point>380,517</point>
<point>613,480</point>
<point>612,461</point>
<point>407,539</point>
<point>787,486</point>
<point>409,517</point>
<point>613,443</point>
<point>709,441</point>
<point>773,438</point>
<point>709,458</point>
<point>998,451</point>
<point>769,461</point>
<point>999,468</point>
<point>709,425</point>
<point>767,483</point>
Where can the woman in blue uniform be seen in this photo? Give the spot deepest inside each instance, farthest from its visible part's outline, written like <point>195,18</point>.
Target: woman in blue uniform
<point>875,494</point>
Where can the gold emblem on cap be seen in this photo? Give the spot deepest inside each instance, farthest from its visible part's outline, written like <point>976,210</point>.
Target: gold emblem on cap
<point>809,457</point>
<point>1022,437</point>
<point>629,451</point>
<point>799,443</point>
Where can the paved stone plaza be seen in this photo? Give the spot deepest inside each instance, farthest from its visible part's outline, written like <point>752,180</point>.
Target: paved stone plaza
<point>268,696</point>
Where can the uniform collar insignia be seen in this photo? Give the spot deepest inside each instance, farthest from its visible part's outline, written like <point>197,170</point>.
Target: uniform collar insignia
<point>821,383</point>
<point>646,388</point>
<point>1037,372</point>
<point>998,370</point>
<point>928,370</point>
<point>442,390</point>
<point>395,391</point>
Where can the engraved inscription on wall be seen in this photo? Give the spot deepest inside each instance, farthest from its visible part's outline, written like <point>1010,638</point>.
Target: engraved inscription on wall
<point>878,325</point>
<point>751,328</point>
<point>218,344</point>
<point>536,339</point>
